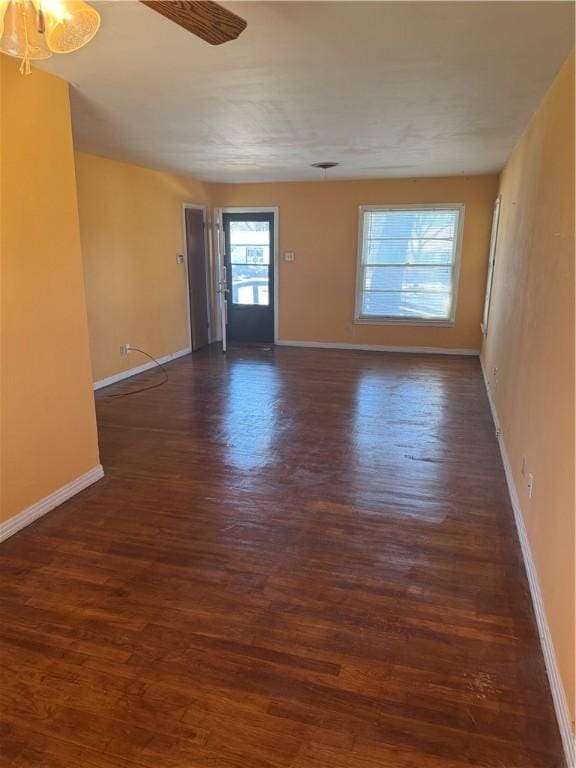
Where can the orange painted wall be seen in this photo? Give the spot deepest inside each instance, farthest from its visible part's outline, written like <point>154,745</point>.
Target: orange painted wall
<point>319,222</point>
<point>130,219</point>
<point>131,230</point>
<point>531,343</point>
<point>48,428</point>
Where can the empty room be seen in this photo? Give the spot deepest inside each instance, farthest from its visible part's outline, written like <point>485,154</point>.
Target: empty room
<point>287,384</point>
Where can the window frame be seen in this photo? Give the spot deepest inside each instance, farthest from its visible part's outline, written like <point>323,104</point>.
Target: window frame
<point>450,321</point>
<point>491,264</point>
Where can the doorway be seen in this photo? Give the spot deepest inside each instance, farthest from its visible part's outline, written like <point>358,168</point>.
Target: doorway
<point>198,272</point>
<point>249,261</point>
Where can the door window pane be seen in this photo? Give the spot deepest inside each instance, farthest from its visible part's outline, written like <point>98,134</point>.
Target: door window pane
<point>250,284</point>
<point>238,254</point>
<point>249,260</point>
<point>258,254</point>
<point>250,254</point>
<point>238,229</point>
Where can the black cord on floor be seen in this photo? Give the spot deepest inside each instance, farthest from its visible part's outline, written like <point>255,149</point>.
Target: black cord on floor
<point>152,386</point>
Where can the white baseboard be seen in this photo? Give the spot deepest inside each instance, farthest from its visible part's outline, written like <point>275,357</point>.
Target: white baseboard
<point>378,348</point>
<point>22,519</point>
<point>140,368</point>
<point>558,693</point>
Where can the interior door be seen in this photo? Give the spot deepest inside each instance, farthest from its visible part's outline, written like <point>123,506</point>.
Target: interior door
<point>197,277</point>
<point>249,261</point>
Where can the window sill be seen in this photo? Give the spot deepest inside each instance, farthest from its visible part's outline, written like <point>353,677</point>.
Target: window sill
<point>404,321</point>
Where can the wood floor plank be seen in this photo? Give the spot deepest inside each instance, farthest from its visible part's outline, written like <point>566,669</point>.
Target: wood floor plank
<point>296,559</point>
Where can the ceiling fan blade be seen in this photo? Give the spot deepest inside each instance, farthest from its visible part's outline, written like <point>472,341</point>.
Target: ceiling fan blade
<point>206,19</point>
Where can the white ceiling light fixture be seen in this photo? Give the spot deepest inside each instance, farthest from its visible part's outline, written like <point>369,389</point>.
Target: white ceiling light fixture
<point>35,29</point>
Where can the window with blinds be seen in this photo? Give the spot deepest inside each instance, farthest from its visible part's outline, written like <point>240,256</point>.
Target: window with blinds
<point>408,263</point>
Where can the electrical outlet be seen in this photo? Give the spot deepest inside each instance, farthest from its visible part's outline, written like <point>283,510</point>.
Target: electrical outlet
<point>530,485</point>
<point>125,348</point>
<point>495,373</point>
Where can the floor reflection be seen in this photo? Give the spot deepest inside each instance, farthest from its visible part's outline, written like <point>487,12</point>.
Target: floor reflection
<point>398,440</point>
<point>250,414</point>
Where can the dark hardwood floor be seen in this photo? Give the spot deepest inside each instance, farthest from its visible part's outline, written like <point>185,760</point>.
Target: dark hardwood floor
<point>298,558</point>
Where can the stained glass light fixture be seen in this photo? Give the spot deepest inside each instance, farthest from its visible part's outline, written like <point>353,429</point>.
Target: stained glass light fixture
<point>35,29</point>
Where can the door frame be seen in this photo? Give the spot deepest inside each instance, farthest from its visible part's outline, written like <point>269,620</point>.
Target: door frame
<point>258,209</point>
<point>208,259</point>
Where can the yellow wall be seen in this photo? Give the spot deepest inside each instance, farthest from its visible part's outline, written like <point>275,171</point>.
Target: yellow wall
<point>48,428</point>
<point>319,222</point>
<point>131,229</point>
<point>531,343</point>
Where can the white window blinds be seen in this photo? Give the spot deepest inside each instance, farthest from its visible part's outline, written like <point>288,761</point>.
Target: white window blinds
<point>408,263</point>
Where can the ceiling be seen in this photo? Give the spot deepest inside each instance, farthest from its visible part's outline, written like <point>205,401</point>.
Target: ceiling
<point>384,88</point>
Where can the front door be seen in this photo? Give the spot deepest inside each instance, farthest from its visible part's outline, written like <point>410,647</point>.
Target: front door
<point>249,259</point>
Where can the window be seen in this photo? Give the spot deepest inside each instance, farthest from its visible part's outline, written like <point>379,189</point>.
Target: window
<point>408,264</point>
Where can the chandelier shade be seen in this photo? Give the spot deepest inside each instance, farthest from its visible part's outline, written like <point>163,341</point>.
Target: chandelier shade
<point>34,29</point>
<point>78,25</point>
<point>20,35</point>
